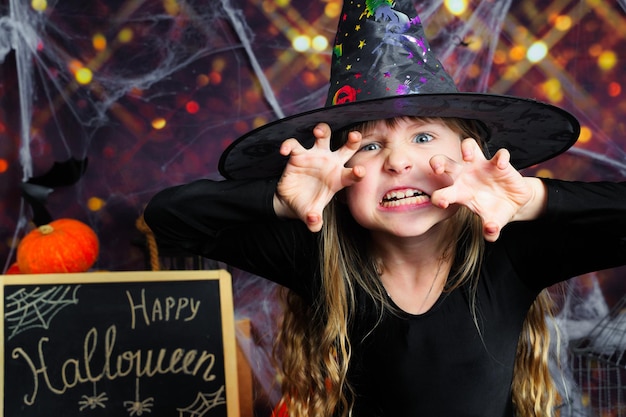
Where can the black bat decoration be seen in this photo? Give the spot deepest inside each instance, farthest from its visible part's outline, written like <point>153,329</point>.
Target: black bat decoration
<point>37,189</point>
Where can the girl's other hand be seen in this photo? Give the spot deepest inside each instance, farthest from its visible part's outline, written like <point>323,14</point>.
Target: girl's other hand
<point>313,176</point>
<point>493,188</point>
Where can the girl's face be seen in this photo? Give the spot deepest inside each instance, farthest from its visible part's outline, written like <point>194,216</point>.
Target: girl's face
<point>394,195</point>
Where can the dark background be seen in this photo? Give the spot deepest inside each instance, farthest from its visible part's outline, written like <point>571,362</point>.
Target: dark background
<point>176,81</point>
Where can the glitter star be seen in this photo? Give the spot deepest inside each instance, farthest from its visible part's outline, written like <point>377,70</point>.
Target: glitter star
<point>362,44</point>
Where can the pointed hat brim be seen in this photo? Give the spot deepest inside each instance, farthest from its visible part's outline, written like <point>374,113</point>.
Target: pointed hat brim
<point>530,130</point>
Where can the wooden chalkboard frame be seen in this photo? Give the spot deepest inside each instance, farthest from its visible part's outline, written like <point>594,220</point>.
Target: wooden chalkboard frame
<point>147,279</point>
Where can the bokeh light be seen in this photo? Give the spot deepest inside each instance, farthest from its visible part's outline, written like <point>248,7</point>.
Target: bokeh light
<point>607,60</point>
<point>192,107</point>
<point>95,203</point>
<point>456,7</point>
<point>537,52</point>
<point>39,5</point>
<point>159,123</point>
<point>301,43</point>
<point>99,42</point>
<point>84,75</point>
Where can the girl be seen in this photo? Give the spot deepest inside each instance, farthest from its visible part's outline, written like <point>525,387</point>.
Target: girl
<point>416,265</point>
<point>412,297</point>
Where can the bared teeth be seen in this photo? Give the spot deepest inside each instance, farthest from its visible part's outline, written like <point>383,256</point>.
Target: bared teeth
<point>403,197</point>
<point>398,195</point>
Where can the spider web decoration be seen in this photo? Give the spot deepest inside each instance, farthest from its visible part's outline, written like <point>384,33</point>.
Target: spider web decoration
<point>35,308</point>
<point>203,404</point>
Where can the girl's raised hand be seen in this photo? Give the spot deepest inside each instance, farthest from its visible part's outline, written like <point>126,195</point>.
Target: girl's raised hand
<point>313,176</point>
<point>493,188</point>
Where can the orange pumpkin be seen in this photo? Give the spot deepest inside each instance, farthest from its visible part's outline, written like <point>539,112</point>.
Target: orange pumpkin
<point>63,245</point>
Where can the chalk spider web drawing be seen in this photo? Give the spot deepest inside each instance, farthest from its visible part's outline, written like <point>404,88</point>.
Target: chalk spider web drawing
<point>138,407</point>
<point>31,308</point>
<point>203,404</point>
<point>96,400</point>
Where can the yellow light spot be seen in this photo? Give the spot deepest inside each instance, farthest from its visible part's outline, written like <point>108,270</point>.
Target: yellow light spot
<point>84,76</point>
<point>537,51</point>
<point>218,65</point>
<point>332,9</point>
<point>301,43</point>
<point>517,53</point>
<point>171,7</point>
<point>544,173</point>
<point>511,73</point>
<point>320,43</point>
<point>282,3</point>
<point>456,7</point>
<point>563,23</point>
<point>259,121</point>
<point>552,89</point>
<point>607,60</point>
<point>475,44</point>
<point>99,42</point>
<point>95,203</point>
<point>125,35</point>
<point>584,399</point>
<point>159,123</point>
<point>585,135</point>
<point>39,5</point>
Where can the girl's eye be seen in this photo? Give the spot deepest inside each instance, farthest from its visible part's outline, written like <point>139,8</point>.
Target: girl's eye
<point>370,147</point>
<point>422,137</point>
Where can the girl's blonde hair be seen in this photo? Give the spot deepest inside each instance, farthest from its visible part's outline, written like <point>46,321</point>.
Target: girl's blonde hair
<point>313,348</point>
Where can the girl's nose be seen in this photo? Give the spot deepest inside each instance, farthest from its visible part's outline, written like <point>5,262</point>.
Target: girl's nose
<point>398,161</point>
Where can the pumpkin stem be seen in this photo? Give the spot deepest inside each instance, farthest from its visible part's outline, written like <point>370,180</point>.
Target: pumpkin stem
<point>46,229</point>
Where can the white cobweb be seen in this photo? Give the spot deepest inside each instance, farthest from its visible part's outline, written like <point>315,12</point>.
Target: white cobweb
<point>35,307</point>
<point>173,57</point>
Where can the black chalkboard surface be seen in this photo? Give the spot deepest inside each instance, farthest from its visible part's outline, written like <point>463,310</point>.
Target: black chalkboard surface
<point>159,343</point>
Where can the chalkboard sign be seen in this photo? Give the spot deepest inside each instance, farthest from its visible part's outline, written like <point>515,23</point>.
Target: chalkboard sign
<point>159,343</point>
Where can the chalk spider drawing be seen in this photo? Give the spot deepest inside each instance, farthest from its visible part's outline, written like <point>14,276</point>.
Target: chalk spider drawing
<point>91,402</point>
<point>203,404</point>
<point>139,407</point>
<point>26,309</point>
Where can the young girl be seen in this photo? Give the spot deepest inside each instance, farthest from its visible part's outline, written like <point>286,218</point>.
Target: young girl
<point>416,266</point>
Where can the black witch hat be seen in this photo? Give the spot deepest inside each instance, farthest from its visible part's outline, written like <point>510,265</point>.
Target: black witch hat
<point>383,67</point>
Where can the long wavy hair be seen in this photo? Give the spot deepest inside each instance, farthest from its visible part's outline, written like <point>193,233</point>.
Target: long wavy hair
<point>313,348</point>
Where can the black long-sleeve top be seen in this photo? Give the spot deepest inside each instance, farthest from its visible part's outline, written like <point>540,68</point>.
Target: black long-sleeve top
<point>436,364</point>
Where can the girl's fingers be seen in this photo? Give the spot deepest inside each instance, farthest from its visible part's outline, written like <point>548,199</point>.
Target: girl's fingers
<point>322,134</point>
<point>502,158</point>
<point>470,150</point>
<point>441,164</point>
<point>314,221</point>
<point>289,146</point>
